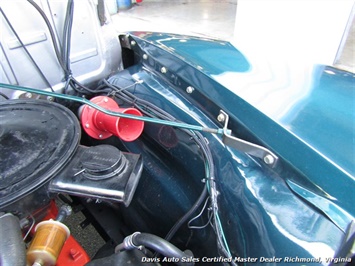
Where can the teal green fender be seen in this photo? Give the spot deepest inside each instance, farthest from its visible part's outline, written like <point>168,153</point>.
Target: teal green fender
<point>304,115</point>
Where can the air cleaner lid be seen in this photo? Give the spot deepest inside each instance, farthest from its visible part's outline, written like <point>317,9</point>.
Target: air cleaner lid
<point>37,138</point>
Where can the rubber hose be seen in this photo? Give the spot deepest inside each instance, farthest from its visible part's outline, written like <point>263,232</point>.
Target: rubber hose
<point>12,247</point>
<point>162,246</point>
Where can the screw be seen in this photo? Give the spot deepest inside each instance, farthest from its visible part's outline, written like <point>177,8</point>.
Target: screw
<point>221,117</point>
<point>64,211</point>
<point>268,159</point>
<point>145,56</point>
<point>50,98</point>
<point>163,70</point>
<point>133,43</point>
<point>105,100</point>
<point>190,89</point>
<point>87,125</point>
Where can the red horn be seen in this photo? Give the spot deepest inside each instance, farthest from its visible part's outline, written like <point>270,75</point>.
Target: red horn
<point>99,125</point>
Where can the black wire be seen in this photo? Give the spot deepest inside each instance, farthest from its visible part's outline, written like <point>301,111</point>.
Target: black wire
<point>70,27</point>
<point>132,99</point>
<point>64,56</point>
<point>196,136</point>
<point>81,89</point>
<point>187,215</point>
<point>27,52</point>
<point>4,95</point>
<point>81,86</point>
<point>199,140</point>
<point>68,23</point>
<point>51,32</point>
<point>67,33</point>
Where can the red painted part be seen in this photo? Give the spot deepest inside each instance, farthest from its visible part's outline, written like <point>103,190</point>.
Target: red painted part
<point>52,212</point>
<point>139,1</point>
<point>101,126</point>
<point>72,253</point>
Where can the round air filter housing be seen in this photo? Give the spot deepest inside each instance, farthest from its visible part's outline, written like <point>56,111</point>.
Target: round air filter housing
<point>37,139</point>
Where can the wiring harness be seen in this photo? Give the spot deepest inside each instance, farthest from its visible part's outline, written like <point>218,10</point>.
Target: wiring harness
<point>210,187</point>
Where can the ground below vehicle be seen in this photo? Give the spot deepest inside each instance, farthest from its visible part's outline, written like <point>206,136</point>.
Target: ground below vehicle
<point>267,193</point>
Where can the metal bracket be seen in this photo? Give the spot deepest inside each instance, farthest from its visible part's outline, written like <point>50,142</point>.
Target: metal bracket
<point>267,156</point>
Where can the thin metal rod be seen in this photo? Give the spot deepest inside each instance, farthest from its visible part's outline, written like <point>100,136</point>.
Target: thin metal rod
<point>112,113</point>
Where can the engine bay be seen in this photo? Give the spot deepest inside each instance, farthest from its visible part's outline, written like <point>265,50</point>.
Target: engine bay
<point>134,132</point>
<point>51,157</point>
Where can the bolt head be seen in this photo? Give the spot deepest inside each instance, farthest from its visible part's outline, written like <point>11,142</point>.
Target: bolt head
<point>50,98</point>
<point>87,125</point>
<point>100,136</point>
<point>163,70</point>
<point>190,89</point>
<point>221,118</point>
<point>68,210</point>
<point>133,43</point>
<point>28,95</point>
<point>145,56</point>
<point>105,100</point>
<point>268,159</point>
